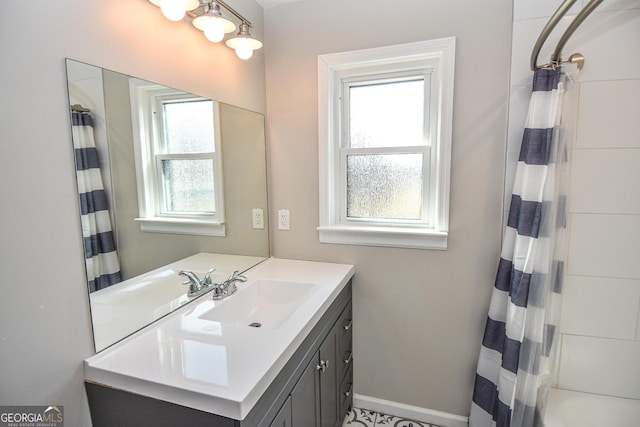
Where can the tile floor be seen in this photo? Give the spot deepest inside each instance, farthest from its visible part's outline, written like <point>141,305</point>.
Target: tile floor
<point>365,418</point>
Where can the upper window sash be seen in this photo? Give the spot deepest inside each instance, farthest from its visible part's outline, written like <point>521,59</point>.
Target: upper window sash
<point>423,74</point>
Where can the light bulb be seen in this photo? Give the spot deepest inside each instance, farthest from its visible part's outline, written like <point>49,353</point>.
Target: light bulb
<point>173,10</point>
<point>214,30</point>
<point>244,50</point>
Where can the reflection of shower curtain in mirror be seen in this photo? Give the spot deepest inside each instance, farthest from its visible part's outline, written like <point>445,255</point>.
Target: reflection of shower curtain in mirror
<point>103,267</point>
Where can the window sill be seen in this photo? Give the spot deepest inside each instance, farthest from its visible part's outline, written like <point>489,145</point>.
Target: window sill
<point>395,237</point>
<point>190,226</point>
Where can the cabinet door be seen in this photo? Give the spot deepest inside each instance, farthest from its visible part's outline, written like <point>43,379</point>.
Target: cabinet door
<point>305,397</point>
<point>329,414</point>
<point>283,419</point>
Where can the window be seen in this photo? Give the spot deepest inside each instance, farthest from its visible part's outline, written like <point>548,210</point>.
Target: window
<point>178,161</point>
<point>385,145</point>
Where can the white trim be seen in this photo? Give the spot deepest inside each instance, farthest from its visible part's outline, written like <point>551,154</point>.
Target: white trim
<point>395,237</point>
<point>182,226</point>
<point>146,98</point>
<point>436,55</point>
<point>410,412</point>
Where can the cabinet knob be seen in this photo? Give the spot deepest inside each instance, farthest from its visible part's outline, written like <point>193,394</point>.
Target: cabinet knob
<point>348,325</point>
<point>324,364</point>
<point>349,358</point>
<point>348,392</point>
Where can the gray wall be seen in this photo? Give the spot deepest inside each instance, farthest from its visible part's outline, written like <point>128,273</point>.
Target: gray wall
<point>419,314</point>
<point>45,331</point>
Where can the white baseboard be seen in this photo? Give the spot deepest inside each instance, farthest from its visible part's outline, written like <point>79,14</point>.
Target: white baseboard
<point>411,412</point>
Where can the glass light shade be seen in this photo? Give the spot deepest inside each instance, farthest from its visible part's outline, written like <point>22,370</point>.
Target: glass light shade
<point>173,10</point>
<point>255,44</point>
<point>244,49</point>
<point>214,30</point>
<point>188,4</point>
<point>201,22</point>
<point>213,23</point>
<point>191,4</point>
<point>243,43</point>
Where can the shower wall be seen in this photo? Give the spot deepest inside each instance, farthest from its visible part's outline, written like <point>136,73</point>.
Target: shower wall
<point>600,328</point>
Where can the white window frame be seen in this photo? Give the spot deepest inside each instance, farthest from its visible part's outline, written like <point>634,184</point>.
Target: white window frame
<point>146,112</point>
<point>434,59</point>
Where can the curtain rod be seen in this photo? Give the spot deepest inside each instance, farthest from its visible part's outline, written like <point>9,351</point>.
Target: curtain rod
<point>556,57</point>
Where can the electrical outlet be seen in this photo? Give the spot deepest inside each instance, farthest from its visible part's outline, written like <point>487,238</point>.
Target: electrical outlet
<point>258,218</point>
<point>283,219</point>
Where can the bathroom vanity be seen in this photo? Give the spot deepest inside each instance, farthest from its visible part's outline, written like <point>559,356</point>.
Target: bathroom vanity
<point>278,352</point>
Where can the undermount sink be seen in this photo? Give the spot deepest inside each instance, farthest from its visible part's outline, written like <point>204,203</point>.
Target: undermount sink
<point>263,303</point>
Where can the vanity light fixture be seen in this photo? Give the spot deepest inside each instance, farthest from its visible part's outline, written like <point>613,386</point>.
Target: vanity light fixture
<point>244,43</point>
<point>212,23</point>
<point>207,17</point>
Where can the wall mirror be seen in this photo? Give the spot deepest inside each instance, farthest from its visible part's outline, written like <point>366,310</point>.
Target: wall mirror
<point>136,242</point>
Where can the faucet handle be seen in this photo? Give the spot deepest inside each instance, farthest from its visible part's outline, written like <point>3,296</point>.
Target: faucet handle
<point>192,281</point>
<point>230,283</point>
<point>237,276</point>
<point>207,277</point>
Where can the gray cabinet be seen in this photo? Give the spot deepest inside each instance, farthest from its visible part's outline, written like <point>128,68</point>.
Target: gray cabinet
<point>319,399</point>
<point>313,389</point>
<point>283,419</point>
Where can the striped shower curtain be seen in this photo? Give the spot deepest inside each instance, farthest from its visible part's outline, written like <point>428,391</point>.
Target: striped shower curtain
<point>515,366</point>
<point>101,258</point>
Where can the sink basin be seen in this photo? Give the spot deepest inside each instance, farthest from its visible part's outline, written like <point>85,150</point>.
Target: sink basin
<point>264,303</point>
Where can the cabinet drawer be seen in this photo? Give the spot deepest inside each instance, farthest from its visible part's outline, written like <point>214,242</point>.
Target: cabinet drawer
<point>345,323</point>
<point>345,346</point>
<point>346,392</point>
<point>345,360</point>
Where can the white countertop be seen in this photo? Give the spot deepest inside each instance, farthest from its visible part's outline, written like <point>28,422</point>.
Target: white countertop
<point>219,367</point>
<point>123,308</point>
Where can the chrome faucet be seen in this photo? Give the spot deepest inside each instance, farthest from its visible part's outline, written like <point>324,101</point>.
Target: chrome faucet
<point>197,287</point>
<point>228,287</point>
